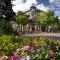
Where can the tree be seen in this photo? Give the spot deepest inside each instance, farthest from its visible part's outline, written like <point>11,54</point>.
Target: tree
<point>6,9</point>
<point>42,18</point>
<point>21,18</point>
<point>6,14</point>
<point>2,2</point>
<point>47,19</point>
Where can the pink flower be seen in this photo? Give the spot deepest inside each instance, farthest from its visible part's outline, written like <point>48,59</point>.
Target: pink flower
<point>51,53</point>
<point>12,58</point>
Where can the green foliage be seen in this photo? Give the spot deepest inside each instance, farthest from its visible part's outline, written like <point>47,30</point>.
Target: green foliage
<point>6,9</point>
<point>10,43</point>
<point>41,49</point>
<point>21,18</point>
<point>2,25</point>
<point>47,18</point>
<point>42,18</point>
<point>2,2</point>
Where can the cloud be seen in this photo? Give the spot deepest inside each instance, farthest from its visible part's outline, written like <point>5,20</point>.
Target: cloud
<point>55,2</point>
<point>51,1</point>
<point>23,5</point>
<point>58,17</point>
<point>57,12</point>
<point>55,6</point>
<point>42,7</point>
<point>18,1</point>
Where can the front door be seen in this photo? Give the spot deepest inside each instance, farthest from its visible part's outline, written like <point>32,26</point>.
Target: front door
<point>33,28</point>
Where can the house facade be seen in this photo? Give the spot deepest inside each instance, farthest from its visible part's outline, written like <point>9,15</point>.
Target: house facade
<point>32,25</point>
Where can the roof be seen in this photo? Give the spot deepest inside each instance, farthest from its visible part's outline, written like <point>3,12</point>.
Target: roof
<point>33,5</point>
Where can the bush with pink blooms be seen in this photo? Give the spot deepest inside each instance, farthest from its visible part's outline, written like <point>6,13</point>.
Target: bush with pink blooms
<point>41,50</point>
<point>31,48</point>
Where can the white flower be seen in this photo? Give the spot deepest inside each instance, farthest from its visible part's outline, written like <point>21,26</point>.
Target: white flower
<point>26,47</point>
<point>18,49</point>
<point>28,57</point>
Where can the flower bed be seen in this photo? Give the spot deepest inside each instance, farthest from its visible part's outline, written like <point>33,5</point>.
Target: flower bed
<point>34,48</point>
<point>41,49</point>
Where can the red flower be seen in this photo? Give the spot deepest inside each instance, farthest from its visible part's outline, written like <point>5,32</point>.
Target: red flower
<point>51,53</point>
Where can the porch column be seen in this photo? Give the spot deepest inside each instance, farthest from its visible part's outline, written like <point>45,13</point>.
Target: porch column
<point>27,27</point>
<point>39,28</point>
<point>22,28</point>
<point>30,28</point>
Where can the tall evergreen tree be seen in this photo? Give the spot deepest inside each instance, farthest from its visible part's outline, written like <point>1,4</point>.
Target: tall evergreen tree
<point>6,9</point>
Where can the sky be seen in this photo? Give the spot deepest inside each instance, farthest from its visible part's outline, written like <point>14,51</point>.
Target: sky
<point>44,5</point>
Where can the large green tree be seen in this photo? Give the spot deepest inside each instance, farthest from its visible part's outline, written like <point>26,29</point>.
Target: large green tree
<point>47,19</point>
<point>6,14</point>
<point>21,18</point>
<point>42,18</point>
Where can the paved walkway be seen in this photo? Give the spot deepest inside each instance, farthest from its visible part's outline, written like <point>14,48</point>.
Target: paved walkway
<point>43,34</point>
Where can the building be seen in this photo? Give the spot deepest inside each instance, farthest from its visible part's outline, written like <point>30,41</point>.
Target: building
<point>32,25</point>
